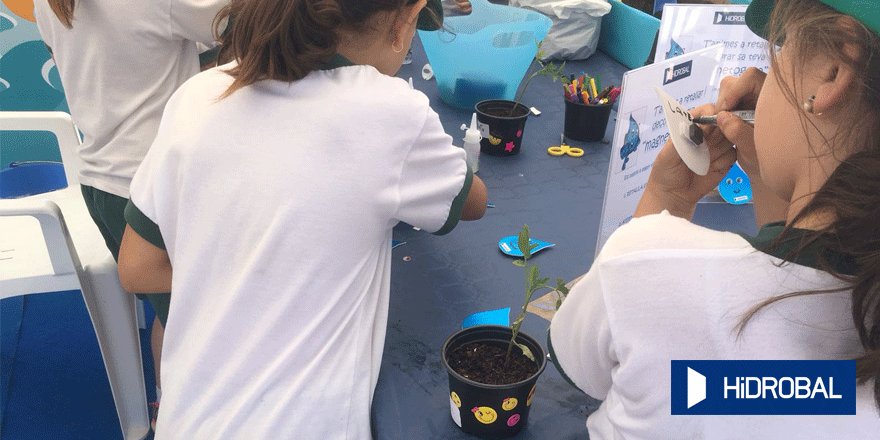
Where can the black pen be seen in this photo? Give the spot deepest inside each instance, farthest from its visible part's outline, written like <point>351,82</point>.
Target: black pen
<point>748,116</point>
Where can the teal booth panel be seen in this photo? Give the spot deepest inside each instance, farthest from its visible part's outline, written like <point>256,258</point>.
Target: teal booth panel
<point>628,34</point>
<point>29,81</point>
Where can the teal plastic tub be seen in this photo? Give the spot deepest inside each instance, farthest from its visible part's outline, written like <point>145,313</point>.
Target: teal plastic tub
<point>484,55</point>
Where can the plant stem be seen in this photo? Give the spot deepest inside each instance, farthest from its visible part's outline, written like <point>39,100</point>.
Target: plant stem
<point>516,100</point>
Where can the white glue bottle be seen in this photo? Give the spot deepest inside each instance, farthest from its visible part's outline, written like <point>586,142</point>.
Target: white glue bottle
<point>472,140</point>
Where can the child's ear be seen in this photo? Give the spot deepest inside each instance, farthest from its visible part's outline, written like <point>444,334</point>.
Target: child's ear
<point>412,12</point>
<point>837,77</point>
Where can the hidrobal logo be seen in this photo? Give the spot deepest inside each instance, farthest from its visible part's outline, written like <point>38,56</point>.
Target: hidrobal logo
<point>729,18</point>
<point>677,72</point>
<point>763,387</point>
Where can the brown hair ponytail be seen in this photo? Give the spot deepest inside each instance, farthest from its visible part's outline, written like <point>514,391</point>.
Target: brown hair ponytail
<point>286,39</point>
<point>851,195</point>
<point>63,9</point>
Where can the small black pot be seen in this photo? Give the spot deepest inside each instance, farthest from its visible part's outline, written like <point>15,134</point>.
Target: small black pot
<point>491,411</point>
<point>586,122</point>
<point>505,129</point>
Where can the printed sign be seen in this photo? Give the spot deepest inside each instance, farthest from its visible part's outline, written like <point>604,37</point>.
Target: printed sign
<point>686,28</point>
<point>642,130</point>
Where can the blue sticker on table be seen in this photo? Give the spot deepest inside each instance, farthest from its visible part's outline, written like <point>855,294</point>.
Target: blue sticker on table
<point>489,317</point>
<point>735,188</point>
<point>510,246</point>
<point>397,243</point>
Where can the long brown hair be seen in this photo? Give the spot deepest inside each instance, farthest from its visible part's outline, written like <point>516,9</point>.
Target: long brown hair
<point>851,195</point>
<point>63,9</point>
<point>286,39</point>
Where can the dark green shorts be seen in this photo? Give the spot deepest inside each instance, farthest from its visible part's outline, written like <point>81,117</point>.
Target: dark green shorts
<point>108,212</point>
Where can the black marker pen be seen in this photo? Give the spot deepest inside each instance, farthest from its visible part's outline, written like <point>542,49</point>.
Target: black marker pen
<point>748,116</point>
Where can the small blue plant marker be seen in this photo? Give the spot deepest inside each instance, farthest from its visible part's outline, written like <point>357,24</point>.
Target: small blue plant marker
<point>509,246</point>
<point>735,188</point>
<point>489,317</point>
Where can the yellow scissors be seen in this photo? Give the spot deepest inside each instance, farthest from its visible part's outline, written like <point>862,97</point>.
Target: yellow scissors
<point>564,149</point>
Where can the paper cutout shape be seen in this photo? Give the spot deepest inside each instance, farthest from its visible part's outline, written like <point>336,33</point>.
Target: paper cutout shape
<point>510,246</point>
<point>678,119</point>
<point>454,411</point>
<point>489,317</point>
<point>735,188</point>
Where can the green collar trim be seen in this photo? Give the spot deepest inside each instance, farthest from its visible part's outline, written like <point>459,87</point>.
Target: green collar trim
<point>336,62</point>
<point>811,256</point>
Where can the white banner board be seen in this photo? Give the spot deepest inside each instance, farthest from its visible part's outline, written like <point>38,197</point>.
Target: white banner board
<point>686,28</point>
<point>641,131</point>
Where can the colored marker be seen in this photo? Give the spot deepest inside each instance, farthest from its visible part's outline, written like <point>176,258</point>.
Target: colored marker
<point>593,87</point>
<point>748,116</point>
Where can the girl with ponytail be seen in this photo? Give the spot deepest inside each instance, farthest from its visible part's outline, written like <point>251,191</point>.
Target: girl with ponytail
<point>806,288</point>
<point>269,198</point>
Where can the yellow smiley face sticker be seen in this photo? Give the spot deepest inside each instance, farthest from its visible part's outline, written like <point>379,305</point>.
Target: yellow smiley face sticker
<point>531,394</point>
<point>509,403</point>
<point>455,399</point>
<point>494,140</point>
<point>484,414</point>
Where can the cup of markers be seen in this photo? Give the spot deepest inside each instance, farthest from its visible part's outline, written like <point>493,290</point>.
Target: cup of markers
<point>587,108</point>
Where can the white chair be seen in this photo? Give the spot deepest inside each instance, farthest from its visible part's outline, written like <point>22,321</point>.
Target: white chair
<point>49,243</point>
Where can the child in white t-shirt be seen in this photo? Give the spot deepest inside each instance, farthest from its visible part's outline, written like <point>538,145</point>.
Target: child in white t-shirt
<point>119,62</point>
<point>271,190</point>
<point>665,289</point>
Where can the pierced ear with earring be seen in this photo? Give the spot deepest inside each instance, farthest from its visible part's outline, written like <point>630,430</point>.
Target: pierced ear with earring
<point>395,43</point>
<point>808,105</point>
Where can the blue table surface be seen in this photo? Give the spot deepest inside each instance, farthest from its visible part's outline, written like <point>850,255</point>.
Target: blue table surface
<point>437,281</point>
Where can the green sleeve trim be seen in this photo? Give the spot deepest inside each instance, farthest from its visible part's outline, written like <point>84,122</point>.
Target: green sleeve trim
<point>556,362</point>
<point>142,224</point>
<point>458,204</point>
<point>209,56</point>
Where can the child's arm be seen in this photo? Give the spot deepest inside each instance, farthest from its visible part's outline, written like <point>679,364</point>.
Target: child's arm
<point>143,267</point>
<point>475,205</point>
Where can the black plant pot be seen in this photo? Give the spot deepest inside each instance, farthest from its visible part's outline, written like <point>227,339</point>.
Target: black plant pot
<point>505,127</point>
<point>491,411</point>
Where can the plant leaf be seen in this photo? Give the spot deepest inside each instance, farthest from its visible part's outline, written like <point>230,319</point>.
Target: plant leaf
<point>561,287</point>
<point>525,351</point>
<point>534,273</point>
<point>519,263</point>
<point>523,242</point>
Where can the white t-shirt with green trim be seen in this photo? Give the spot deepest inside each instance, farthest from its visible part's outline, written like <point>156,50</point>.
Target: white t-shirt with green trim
<point>119,64</point>
<point>276,206</point>
<point>664,289</point>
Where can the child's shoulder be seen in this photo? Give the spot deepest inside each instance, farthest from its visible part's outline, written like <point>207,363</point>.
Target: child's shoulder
<point>664,231</point>
<point>366,84</point>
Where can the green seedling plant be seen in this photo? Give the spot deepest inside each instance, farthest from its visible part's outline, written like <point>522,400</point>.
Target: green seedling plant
<point>534,282</point>
<point>554,71</point>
